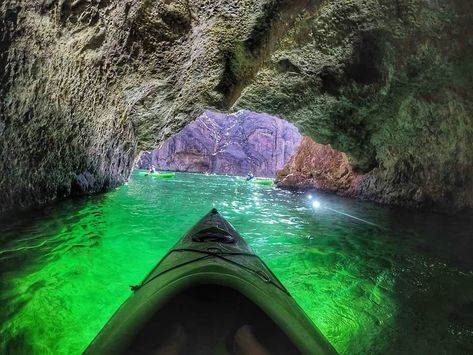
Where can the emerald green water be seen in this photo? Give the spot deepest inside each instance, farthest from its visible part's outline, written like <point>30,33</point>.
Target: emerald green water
<point>387,281</point>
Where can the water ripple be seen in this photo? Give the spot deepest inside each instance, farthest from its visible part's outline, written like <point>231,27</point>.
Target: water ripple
<point>370,287</point>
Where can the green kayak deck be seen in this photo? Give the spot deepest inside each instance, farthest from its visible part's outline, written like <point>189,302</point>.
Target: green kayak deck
<point>208,286</point>
<point>157,175</point>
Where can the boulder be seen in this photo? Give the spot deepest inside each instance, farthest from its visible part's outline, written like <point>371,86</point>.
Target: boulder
<point>320,167</point>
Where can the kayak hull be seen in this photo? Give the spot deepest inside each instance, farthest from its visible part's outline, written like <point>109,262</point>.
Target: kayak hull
<point>263,182</point>
<point>157,175</point>
<point>202,260</point>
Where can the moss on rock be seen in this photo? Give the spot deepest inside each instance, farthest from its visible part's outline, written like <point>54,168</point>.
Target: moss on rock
<point>86,85</point>
<point>389,83</point>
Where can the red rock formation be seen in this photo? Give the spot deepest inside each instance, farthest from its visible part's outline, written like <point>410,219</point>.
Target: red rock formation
<point>318,166</point>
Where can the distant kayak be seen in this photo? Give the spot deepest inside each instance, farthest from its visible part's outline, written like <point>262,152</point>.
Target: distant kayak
<point>157,175</point>
<point>266,182</point>
<point>201,298</point>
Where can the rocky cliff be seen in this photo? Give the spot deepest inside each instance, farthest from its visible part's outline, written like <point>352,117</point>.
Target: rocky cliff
<point>87,84</point>
<point>228,144</point>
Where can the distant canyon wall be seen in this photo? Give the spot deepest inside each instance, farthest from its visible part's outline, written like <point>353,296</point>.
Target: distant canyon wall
<point>228,144</point>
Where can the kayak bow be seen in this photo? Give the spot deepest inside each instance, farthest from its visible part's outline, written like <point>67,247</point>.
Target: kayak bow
<point>209,285</point>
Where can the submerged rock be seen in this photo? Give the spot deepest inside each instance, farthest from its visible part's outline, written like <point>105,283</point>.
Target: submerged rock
<point>228,144</point>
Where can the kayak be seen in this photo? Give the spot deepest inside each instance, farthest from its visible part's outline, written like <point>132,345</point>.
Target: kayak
<point>157,175</point>
<point>262,182</point>
<point>207,291</point>
<point>266,182</point>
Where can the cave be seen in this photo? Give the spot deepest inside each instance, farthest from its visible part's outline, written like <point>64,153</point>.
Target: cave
<point>334,135</point>
<point>247,142</point>
<point>128,77</point>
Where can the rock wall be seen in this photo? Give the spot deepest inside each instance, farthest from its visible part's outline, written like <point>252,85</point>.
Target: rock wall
<point>318,166</point>
<point>87,84</point>
<point>390,83</point>
<point>228,144</point>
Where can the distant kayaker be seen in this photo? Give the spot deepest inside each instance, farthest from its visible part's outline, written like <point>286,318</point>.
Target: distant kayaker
<point>250,176</point>
<point>152,170</point>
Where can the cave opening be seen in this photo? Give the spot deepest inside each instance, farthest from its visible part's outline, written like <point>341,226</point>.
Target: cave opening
<point>85,85</point>
<point>246,142</point>
<point>227,144</point>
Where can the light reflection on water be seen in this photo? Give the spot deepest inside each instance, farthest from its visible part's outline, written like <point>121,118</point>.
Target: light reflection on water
<point>404,286</point>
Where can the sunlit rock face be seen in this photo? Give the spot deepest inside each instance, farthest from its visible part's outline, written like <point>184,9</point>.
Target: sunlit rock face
<point>390,83</point>
<point>228,144</point>
<point>85,85</point>
<point>318,166</point>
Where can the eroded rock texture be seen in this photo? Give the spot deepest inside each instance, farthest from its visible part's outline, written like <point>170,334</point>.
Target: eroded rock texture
<point>228,144</point>
<point>318,166</point>
<point>389,83</point>
<point>87,84</point>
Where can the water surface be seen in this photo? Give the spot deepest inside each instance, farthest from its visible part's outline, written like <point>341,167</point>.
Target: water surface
<point>373,279</point>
